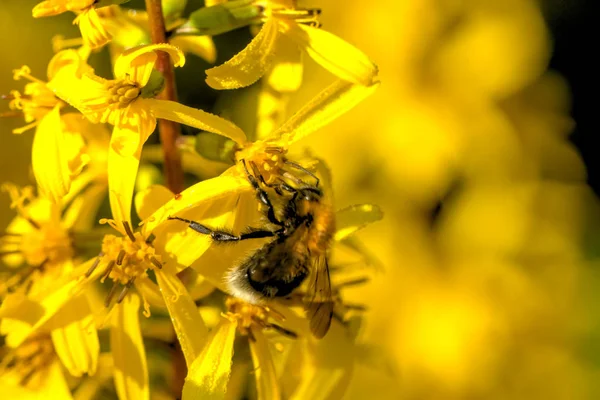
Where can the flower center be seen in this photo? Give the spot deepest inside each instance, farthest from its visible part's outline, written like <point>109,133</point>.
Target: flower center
<point>49,243</point>
<point>122,92</point>
<point>250,316</point>
<point>129,257</point>
<point>29,359</point>
<point>263,160</point>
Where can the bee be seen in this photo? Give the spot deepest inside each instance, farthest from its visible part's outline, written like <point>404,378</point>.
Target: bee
<point>298,250</point>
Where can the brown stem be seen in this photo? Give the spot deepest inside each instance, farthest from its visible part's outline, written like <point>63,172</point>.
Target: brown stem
<point>169,131</point>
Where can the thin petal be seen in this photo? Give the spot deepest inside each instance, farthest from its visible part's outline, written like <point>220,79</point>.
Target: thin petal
<point>76,343</point>
<point>201,46</point>
<point>188,324</point>
<point>151,199</point>
<point>127,347</point>
<point>49,161</point>
<point>353,218</point>
<point>122,171</point>
<point>335,100</point>
<point>208,191</point>
<point>264,370</point>
<point>177,112</point>
<point>334,54</point>
<point>209,374</point>
<point>250,64</point>
<point>92,29</point>
<point>137,63</point>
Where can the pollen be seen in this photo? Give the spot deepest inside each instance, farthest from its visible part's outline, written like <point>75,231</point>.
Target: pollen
<point>122,92</point>
<point>250,316</point>
<point>49,243</point>
<point>265,160</point>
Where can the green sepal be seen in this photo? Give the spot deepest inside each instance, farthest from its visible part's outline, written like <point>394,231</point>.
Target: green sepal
<point>215,147</point>
<point>221,18</point>
<point>155,85</point>
<point>173,9</point>
<point>106,3</point>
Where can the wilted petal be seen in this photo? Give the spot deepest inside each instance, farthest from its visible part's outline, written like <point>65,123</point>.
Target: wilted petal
<point>351,219</point>
<point>127,347</point>
<point>137,63</point>
<point>250,64</point>
<point>334,54</point>
<point>177,112</point>
<point>187,322</point>
<point>209,374</point>
<point>264,370</point>
<point>335,100</point>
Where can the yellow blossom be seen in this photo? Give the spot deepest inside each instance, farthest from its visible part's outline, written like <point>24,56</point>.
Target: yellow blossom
<point>284,21</point>
<point>93,32</point>
<point>127,103</point>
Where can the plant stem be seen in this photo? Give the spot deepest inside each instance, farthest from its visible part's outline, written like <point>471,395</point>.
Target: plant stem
<point>169,131</point>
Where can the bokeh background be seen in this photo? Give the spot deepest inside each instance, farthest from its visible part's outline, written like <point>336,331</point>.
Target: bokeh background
<point>479,148</point>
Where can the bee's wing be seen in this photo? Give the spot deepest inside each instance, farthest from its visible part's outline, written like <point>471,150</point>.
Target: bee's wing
<point>319,301</point>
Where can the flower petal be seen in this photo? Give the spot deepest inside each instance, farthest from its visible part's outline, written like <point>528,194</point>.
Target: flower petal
<point>188,324</point>
<point>177,112</point>
<point>76,343</point>
<point>335,100</point>
<point>334,54</point>
<point>353,218</point>
<point>127,347</point>
<point>151,199</point>
<point>137,63</point>
<point>48,159</point>
<point>286,74</point>
<point>122,171</point>
<point>92,29</point>
<point>267,385</point>
<point>201,46</point>
<point>250,64</point>
<point>209,374</point>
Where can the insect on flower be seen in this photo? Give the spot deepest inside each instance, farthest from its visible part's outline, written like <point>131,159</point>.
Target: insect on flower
<point>302,235</point>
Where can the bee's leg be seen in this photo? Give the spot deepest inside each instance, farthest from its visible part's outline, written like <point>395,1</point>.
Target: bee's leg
<point>301,168</point>
<point>221,236</point>
<point>262,196</point>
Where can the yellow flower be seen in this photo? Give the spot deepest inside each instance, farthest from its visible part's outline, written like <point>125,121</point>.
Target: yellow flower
<point>284,21</point>
<point>93,32</point>
<point>32,370</point>
<point>127,103</point>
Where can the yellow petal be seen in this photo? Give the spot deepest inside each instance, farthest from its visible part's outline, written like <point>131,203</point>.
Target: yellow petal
<point>201,46</point>
<point>334,54</point>
<point>69,61</point>
<point>49,162</point>
<point>127,347</point>
<point>76,343</point>
<point>332,102</point>
<point>122,171</point>
<point>286,74</point>
<point>54,384</point>
<point>151,199</point>
<point>250,64</point>
<point>188,324</point>
<point>264,370</point>
<point>210,191</point>
<point>150,292</point>
<point>177,112</point>
<point>137,63</point>
<point>209,374</point>
<point>93,32</point>
<point>351,219</point>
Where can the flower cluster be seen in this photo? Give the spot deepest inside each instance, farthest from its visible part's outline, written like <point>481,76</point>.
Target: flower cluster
<point>76,280</point>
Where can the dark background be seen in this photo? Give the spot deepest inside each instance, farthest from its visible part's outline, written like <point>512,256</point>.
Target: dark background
<point>575,51</point>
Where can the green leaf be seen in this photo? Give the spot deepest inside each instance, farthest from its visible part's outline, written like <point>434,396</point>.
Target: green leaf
<point>214,147</point>
<point>221,18</point>
<point>155,85</point>
<point>172,9</point>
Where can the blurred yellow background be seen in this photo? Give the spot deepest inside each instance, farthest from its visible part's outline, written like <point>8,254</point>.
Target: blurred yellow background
<point>489,283</point>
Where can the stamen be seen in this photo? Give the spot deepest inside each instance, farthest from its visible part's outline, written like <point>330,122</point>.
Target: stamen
<point>128,231</point>
<point>150,238</point>
<point>59,43</point>
<point>25,128</point>
<point>107,271</point>
<point>125,290</point>
<point>155,262</point>
<point>120,257</point>
<point>33,223</point>
<point>25,72</point>
<point>111,294</point>
<point>282,330</point>
<point>94,265</point>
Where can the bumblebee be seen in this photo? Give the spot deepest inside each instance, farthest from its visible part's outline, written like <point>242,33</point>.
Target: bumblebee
<point>298,252</point>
